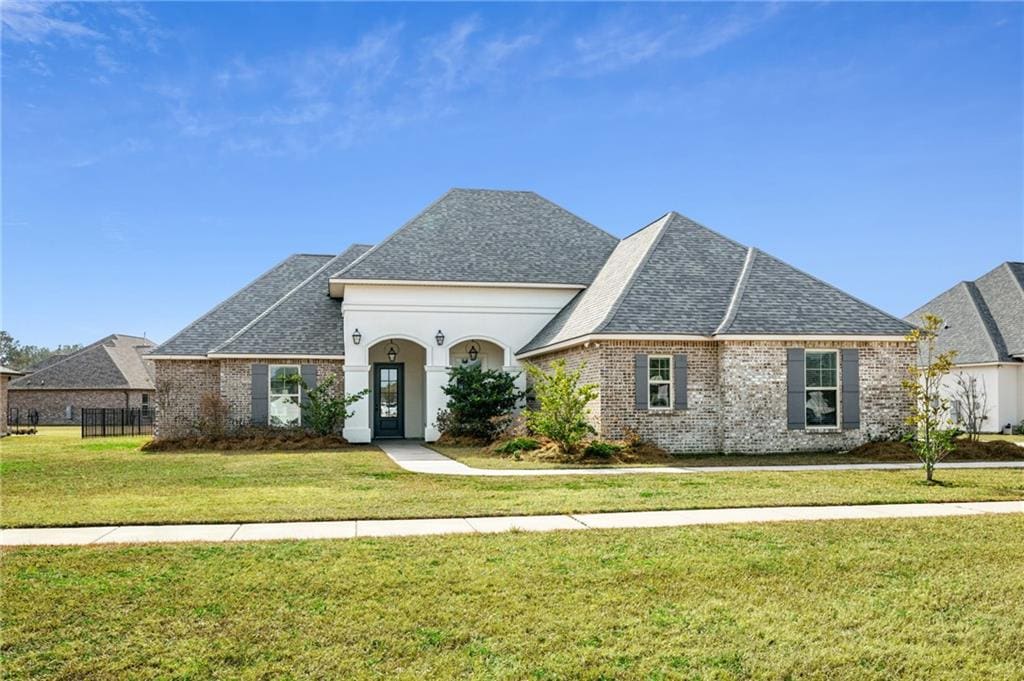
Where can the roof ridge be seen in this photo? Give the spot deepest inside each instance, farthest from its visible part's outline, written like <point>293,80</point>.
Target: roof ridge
<point>238,334</point>
<point>74,354</point>
<point>391,236</point>
<point>976,301</point>
<point>737,293</point>
<point>1013,275</point>
<point>225,301</point>
<point>578,217</point>
<point>713,231</point>
<point>614,307</point>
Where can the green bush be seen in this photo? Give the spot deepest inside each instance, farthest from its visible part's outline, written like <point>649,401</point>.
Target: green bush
<point>478,401</point>
<point>517,445</point>
<point>323,412</point>
<point>601,450</point>
<point>1018,429</point>
<point>562,412</point>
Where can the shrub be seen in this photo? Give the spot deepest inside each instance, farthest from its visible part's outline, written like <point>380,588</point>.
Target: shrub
<point>598,449</point>
<point>479,402</point>
<point>517,445</point>
<point>562,412</point>
<point>213,415</point>
<point>1018,429</point>
<point>929,412</point>
<point>323,412</point>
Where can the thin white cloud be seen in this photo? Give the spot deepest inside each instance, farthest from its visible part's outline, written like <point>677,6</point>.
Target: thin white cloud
<point>38,23</point>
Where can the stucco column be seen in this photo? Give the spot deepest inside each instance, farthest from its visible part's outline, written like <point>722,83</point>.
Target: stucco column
<point>357,428</point>
<point>437,378</point>
<point>520,380</point>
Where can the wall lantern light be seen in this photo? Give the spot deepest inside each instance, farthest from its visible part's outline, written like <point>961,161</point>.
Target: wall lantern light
<point>356,336</point>
<point>473,352</point>
<point>439,337</point>
<point>392,352</point>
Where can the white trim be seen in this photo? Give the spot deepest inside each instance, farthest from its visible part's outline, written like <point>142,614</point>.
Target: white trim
<point>448,308</point>
<point>177,357</point>
<point>331,283</point>
<point>988,364</point>
<point>808,338</point>
<point>224,355</point>
<point>271,394</point>
<point>589,338</point>
<point>670,382</point>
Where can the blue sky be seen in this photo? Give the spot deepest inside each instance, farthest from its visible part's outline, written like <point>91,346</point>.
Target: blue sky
<point>156,157</point>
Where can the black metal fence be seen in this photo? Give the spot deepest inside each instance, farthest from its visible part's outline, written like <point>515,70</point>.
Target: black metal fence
<point>116,422</point>
<point>21,421</point>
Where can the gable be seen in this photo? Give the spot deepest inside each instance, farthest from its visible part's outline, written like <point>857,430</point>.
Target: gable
<point>114,362</point>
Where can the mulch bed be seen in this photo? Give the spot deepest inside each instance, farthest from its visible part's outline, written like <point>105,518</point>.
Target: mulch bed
<point>996,450</point>
<point>263,442</point>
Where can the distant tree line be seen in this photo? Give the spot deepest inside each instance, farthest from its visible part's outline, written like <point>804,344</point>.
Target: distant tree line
<point>20,357</point>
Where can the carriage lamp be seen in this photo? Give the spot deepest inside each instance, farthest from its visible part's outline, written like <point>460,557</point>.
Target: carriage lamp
<point>392,352</point>
<point>439,337</point>
<point>473,352</point>
<point>356,336</point>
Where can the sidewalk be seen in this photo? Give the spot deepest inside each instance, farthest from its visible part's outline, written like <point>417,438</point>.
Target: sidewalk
<point>350,529</point>
<point>414,457</point>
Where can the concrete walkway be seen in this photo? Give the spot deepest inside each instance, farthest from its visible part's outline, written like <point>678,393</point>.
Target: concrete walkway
<point>349,529</point>
<point>414,457</point>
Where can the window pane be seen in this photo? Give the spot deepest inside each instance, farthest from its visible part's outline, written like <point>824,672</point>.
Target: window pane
<point>284,411</point>
<point>659,369</point>
<point>821,369</point>
<point>821,407</point>
<point>813,378</point>
<point>284,380</point>
<point>659,395</point>
<point>828,377</point>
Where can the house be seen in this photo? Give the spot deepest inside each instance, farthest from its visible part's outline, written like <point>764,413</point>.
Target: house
<point>984,322</point>
<point>697,343</point>
<point>6,374</point>
<point>113,372</point>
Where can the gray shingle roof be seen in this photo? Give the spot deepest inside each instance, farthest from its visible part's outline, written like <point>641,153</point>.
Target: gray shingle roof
<point>115,362</point>
<point>676,276</point>
<point>472,235</point>
<point>984,319</point>
<point>304,321</point>
<point>7,371</point>
<point>232,315</point>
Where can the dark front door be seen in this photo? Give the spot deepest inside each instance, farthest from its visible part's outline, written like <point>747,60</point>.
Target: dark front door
<point>388,400</point>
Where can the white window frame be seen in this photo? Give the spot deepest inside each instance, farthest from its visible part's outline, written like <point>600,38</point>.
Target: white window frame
<point>271,394</point>
<point>670,381</point>
<point>144,405</point>
<point>837,388</point>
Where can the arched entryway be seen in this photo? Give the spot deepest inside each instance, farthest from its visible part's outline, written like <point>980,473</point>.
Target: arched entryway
<point>490,355</point>
<point>397,388</point>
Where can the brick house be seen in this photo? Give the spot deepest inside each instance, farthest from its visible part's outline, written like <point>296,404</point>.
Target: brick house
<point>6,374</point>
<point>113,372</point>
<point>697,343</point>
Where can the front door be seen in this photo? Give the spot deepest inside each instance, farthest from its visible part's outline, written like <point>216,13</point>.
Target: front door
<point>388,400</point>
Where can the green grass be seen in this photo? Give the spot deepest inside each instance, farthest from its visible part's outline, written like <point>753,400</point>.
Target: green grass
<point>923,599</point>
<point>54,478</point>
<point>482,458</point>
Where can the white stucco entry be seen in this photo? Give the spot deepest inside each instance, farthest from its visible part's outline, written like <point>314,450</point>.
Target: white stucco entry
<point>507,315</point>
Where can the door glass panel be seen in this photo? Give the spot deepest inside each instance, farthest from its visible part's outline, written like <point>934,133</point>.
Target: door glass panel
<point>388,389</point>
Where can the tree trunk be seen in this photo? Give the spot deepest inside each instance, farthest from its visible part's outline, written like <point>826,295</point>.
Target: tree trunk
<point>929,469</point>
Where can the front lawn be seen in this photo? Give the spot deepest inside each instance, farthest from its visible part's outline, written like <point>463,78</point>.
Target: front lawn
<point>55,478</point>
<point>934,598</point>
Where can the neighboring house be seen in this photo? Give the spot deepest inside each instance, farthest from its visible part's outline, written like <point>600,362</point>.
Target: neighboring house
<point>113,372</point>
<point>6,375</point>
<point>984,323</point>
<point>697,343</point>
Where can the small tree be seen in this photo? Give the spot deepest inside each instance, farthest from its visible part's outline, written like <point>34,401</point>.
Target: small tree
<point>562,411</point>
<point>973,402</point>
<point>323,411</point>
<point>929,410</point>
<point>477,401</point>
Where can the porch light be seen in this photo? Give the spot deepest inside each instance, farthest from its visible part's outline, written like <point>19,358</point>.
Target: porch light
<point>439,337</point>
<point>392,352</point>
<point>356,336</point>
<point>473,352</point>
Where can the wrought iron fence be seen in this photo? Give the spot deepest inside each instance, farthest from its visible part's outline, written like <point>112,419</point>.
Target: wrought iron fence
<point>116,422</point>
<point>22,421</point>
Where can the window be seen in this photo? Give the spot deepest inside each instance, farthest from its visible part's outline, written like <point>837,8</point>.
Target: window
<point>284,395</point>
<point>822,388</point>
<point>659,382</point>
<point>145,405</point>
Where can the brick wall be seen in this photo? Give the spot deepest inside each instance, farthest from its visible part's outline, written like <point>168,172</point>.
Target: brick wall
<point>182,383</point>
<point>4,378</point>
<point>576,357</point>
<point>754,396</point>
<point>736,395</point>
<point>52,404</point>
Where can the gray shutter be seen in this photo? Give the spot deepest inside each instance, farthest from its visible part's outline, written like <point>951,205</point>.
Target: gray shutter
<point>795,400</point>
<point>260,394</point>
<point>851,388</point>
<point>679,376</point>
<point>308,373</point>
<point>640,379</point>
